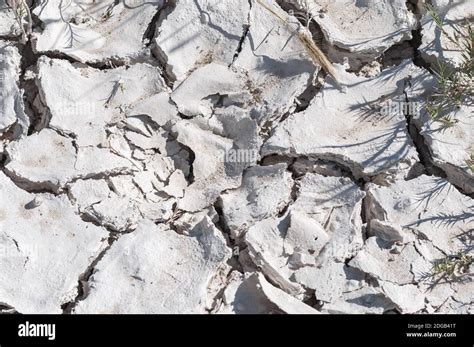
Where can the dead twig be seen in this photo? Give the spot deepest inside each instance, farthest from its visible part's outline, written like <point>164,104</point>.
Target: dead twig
<point>316,54</point>
<point>21,9</point>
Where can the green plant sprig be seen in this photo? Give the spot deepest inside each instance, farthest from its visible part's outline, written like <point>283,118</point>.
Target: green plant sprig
<point>455,86</point>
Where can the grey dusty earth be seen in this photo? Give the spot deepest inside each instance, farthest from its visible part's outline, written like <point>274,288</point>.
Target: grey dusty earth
<point>205,156</point>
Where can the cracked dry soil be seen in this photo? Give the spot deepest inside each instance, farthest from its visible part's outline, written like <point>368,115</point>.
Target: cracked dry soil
<point>201,156</point>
